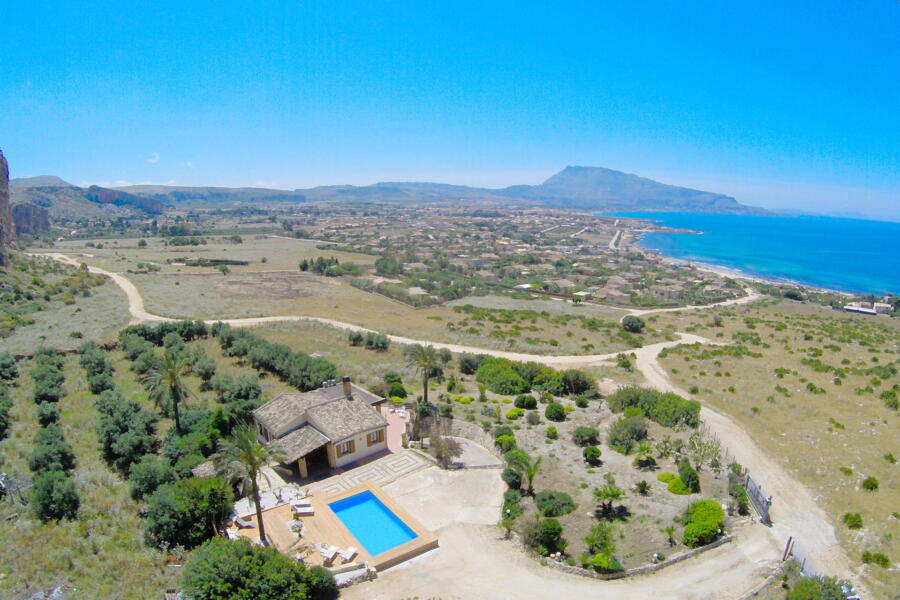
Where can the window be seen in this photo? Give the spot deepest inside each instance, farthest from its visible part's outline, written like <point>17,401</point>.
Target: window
<point>346,448</point>
<point>376,437</point>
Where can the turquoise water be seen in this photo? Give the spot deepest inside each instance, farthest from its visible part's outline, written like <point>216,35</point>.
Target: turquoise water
<point>372,523</point>
<point>850,255</point>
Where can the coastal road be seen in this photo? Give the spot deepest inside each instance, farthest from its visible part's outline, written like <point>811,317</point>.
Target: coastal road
<point>794,511</point>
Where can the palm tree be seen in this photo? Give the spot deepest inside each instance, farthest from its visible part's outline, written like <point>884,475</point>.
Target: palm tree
<point>606,495</point>
<point>242,456</point>
<point>526,466</point>
<point>164,383</point>
<point>426,360</point>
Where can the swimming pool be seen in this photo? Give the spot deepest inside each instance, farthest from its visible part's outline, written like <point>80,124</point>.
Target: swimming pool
<point>372,523</point>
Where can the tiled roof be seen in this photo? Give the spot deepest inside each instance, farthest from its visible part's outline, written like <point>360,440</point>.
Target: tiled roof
<point>343,418</point>
<point>275,414</point>
<point>299,443</point>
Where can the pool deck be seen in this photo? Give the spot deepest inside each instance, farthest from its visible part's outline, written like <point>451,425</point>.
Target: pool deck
<point>324,526</point>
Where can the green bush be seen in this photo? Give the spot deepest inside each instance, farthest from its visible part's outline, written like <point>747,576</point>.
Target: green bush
<point>234,570</point>
<point>665,477</point>
<point>816,589</point>
<point>512,504</point>
<point>877,558</point>
<point>506,442</point>
<point>51,451</point>
<point>147,475</point>
<point>396,389</point>
<point>853,520</point>
<point>633,324</point>
<point>584,436</point>
<point>591,455</point>
<point>5,406</point>
<point>555,412</point>
<point>552,433</point>
<point>48,412</point>
<point>514,413</point>
<point>53,496</point>
<point>689,475</point>
<point>703,522</point>
<point>125,430</point>
<point>547,537</point>
<point>625,433</point>
<point>677,486</point>
<point>500,377</point>
<point>554,504</point>
<point>526,402</point>
<point>512,478</point>
<point>870,484</point>
<point>8,368</point>
<point>667,409</point>
<point>187,513</point>
<point>581,401</point>
<point>604,563</point>
<point>502,430</point>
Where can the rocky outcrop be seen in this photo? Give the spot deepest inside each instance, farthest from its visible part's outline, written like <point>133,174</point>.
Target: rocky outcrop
<point>30,218</point>
<point>7,229</point>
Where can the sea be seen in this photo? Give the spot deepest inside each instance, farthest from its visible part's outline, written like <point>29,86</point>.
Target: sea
<point>848,255</point>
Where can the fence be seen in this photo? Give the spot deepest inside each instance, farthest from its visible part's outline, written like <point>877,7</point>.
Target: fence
<point>803,558</point>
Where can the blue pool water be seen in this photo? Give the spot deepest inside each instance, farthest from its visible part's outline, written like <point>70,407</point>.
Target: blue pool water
<point>372,523</point>
<point>843,254</point>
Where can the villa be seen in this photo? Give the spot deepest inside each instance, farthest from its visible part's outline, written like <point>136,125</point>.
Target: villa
<point>329,427</point>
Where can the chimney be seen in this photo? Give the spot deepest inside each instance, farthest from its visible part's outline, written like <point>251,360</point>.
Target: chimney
<point>345,381</point>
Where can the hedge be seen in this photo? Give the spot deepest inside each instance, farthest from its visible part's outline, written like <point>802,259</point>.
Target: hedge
<point>703,523</point>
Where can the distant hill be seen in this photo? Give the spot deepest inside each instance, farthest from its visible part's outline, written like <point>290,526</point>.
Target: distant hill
<point>39,181</point>
<point>582,188</point>
<point>173,195</point>
<point>596,188</point>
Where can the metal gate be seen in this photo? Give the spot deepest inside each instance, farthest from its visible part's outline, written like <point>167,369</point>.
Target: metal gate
<point>758,498</point>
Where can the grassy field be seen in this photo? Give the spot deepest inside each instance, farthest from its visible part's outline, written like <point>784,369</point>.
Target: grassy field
<point>97,318</point>
<point>809,397</point>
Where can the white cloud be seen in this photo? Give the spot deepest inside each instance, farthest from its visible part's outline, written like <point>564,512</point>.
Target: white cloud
<point>189,165</point>
<point>153,159</point>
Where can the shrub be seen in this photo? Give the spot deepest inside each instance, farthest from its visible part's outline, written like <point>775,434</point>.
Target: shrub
<point>552,433</point>
<point>677,486</point>
<point>584,436</point>
<point>187,513</point>
<point>601,538</point>
<point>742,500</point>
<point>555,412</point>
<point>51,451</point>
<point>604,563</point>
<point>817,589</point>
<point>126,431</point>
<point>5,406</point>
<point>526,402</point>
<point>546,537</point>
<point>667,409</point>
<point>512,506</point>
<point>512,478</point>
<point>396,389</point>
<point>665,477</point>
<point>53,496</point>
<point>554,504</point>
<point>515,413</point>
<point>633,324</point>
<point>591,455</point>
<point>870,484</point>
<point>500,377</point>
<point>624,434</point>
<point>506,442</point>
<point>48,412</point>
<point>8,368</point>
<point>704,520</point>
<point>229,570</point>
<point>469,363</point>
<point>581,401</point>
<point>877,558</point>
<point>148,474</point>
<point>643,487</point>
<point>688,475</point>
<point>533,418</point>
<point>853,520</point>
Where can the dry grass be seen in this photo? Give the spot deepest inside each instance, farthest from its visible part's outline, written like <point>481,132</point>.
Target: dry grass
<point>813,435</point>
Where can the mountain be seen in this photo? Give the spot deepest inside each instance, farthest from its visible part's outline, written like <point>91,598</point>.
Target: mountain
<point>212,195</point>
<point>7,229</point>
<point>596,188</point>
<point>39,181</point>
<point>70,202</point>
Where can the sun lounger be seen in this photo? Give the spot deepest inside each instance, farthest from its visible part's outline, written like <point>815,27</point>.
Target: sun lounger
<point>303,511</point>
<point>347,554</point>
<point>232,535</point>
<point>244,524</point>
<point>301,503</point>
<point>327,552</point>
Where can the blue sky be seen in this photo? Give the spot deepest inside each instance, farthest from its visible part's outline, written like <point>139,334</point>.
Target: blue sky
<point>780,104</point>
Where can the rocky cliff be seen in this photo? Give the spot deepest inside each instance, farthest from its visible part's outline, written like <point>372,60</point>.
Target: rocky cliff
<point>7,229</point>
<point>30,218</point>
